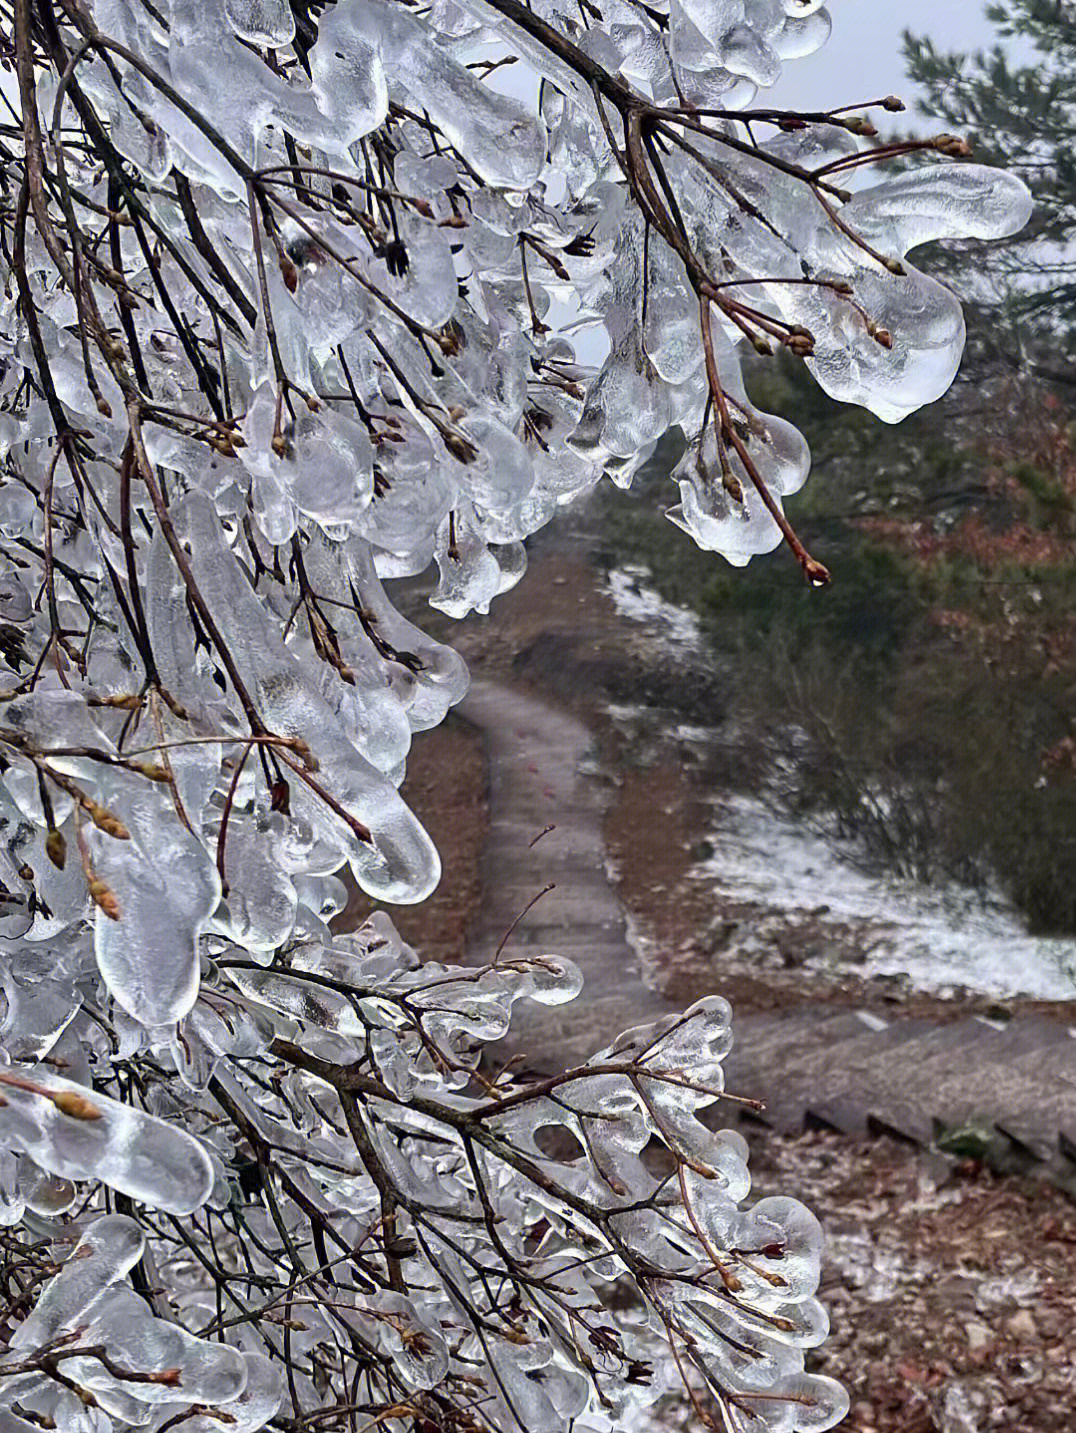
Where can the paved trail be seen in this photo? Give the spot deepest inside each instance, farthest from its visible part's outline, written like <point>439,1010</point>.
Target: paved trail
<point>809,1063</point>
<point>539,775</point>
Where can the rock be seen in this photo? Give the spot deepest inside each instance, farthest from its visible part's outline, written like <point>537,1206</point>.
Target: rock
<point>963,1407</point>
<point>1022,1327</point>
<point>719,934</point>
<point>939,1169</point>
<point>979,1336</point>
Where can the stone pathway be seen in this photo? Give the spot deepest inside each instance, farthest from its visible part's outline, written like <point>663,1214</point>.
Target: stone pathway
<point>539,776</point>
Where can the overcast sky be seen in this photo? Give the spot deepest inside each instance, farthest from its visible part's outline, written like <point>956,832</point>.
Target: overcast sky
<point>862,58</point>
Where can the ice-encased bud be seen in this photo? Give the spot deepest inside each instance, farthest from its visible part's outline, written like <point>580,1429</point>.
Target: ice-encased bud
<point>81,1134</point>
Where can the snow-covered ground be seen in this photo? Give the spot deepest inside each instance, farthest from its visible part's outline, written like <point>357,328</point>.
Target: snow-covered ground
<point>938,935</point>
<point>635,599</point>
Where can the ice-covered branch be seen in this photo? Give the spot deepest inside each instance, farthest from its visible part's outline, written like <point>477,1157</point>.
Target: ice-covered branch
<point>290,312</point>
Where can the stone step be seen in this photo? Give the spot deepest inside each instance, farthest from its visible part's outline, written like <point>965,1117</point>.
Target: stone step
<point>913,1073</point>
<point>944,1073</point>
<point>554,1040</point>
<point>764,1046</point>
<point>1035,1140</point>
<point>833,1082</point>
<point>844,1113</point>
<point>841,1064</point>
<point>1038,1093</point>
<point>773,1070</point>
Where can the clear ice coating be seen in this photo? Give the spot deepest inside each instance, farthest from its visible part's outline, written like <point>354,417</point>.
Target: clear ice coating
<point>105,1332</point>
<point>79,1134</point>
<point>290,311</point>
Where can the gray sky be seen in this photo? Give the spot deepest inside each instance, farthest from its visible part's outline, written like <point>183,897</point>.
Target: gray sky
<point>862,58</point>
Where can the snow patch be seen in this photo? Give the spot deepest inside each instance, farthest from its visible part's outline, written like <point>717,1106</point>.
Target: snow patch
<point>938,936</point>
<point>635,599</point>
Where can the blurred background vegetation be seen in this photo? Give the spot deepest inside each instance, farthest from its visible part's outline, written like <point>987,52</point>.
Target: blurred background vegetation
<point>930,692</point>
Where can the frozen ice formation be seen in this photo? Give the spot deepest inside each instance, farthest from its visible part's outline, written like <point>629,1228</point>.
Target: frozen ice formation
<point>138,1368</point>
<point>290,304</point>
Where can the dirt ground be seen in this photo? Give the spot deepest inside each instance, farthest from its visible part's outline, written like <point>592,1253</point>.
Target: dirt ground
<point>951,1299</point>
<point>951,1290</point>
<point>446,788</point>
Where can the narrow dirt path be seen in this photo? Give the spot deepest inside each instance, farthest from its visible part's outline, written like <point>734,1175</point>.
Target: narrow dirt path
<point>539,777</point>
